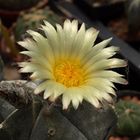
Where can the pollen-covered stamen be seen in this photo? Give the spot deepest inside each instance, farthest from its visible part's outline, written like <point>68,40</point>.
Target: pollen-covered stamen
<point>68,73</point>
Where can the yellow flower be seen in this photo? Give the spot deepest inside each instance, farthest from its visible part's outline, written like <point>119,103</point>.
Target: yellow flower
<point>67,63</point>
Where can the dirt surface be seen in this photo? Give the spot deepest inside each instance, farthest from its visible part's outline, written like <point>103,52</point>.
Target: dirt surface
<point>120,28</point>
<point>119,138</point>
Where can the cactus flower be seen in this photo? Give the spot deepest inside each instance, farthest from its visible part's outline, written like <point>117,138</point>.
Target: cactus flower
<point>70,65</point>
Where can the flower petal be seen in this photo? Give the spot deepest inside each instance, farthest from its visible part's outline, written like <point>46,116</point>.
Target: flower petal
<point>65,101</point>
<point>102,85</point>
<point>106,64</point>
<point>67,63</point>
<point>77,43</point>
<point>92,95</point>
<point>43,46</point>
<point>103,74</point>
<point>75,95</point>
<point>102,55</point>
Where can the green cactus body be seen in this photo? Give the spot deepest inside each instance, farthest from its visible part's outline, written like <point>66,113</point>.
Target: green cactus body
<point>32,20</point>
<point>128,118</point>
<point>17,4</point>
<point>29,117</point>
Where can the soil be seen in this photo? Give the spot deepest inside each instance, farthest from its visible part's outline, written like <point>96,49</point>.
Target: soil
<point>120,28</point>
<point>119,138</point>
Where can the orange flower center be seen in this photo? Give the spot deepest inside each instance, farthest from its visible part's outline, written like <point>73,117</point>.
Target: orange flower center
<point>68,73</point>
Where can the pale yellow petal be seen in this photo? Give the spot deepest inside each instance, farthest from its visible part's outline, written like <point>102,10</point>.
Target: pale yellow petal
<point>41,87</point>
<point>65,101</point>
<point>90,37</point>
<point>70,31</point>
<point>101,45</point>
<point>103,74</point>
<point>52,89</point>
<point>102,85</point>
<point>58,90</point>
<point>77,43</point>
<point>29,53</point>
<point>102,55</point>
<point>88,42</point>
<point>42,74</point>
<point>27,67</point>
<point>119,80</point>
<point>47,94</point>
<point>61,35</point>
<point>52,29</point>
<point>107,97</point>
<point>67,38</point>
<point>39,61</point>
<point>75,95</point>
<point>92,96</point>
<point>52,39</point>
<point>67,25</point>
<point>89,53</point>
<point>44,49</point>
<point>106,64</point>
<point>28,44</point>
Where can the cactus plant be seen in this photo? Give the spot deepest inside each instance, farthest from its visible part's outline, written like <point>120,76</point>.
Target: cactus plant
<point>51,123</point>
<point>133,14</point>
<point>128,118</point>
<point>17,4</point>
<point>32,19</point>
